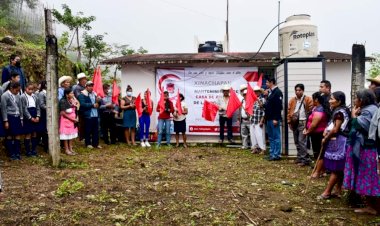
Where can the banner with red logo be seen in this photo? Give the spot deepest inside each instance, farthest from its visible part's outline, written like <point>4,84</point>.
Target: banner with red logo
<point>199,84</point>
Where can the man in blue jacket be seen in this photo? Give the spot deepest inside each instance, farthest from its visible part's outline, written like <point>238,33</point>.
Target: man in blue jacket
<point>14,66</point>
<point>89,104</point>
<point>273,108</point>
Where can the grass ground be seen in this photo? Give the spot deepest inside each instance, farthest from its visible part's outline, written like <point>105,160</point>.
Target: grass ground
<point>123,185</point>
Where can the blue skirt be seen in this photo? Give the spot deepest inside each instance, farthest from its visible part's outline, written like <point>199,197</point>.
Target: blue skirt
<point>2,130</point>
<point>129,119</point>
<point>42,124</point>
<point>29,126</point>
<point>15,126</point>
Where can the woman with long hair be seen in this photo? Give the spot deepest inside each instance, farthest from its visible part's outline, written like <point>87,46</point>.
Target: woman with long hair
<point>129,116</point>
<point>361,170</point>
<point>334,142</point>
<point>315,125</point>
<point>68,120</point>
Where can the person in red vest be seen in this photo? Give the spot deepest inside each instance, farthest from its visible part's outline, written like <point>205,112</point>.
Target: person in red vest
<point>165,109</point>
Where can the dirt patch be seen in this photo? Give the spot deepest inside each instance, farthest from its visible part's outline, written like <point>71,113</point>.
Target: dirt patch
<point>120,185</point>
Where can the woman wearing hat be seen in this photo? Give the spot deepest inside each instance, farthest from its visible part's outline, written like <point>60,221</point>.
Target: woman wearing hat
<point>375,82</point>
<point>223,103</point>
<point>64,83</point>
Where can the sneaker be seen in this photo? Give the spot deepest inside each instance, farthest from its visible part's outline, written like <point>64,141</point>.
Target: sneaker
<point>99,147</point>
<point>147,144</point>
<point>143,144</point>
<point>90,147</point>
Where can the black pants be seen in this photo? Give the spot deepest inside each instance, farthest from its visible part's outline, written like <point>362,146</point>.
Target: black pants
<point>92,131</point>
<point>316,143</point>
<point>222,121</point>
<point>108,126</point>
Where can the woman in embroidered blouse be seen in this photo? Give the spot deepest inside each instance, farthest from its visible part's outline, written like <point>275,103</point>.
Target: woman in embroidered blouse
<point>334,142</point>
<point>67,126</point>
<point>360,173</point>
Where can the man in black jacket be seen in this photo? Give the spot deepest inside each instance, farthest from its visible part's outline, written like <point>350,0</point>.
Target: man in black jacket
<point>273,108</point>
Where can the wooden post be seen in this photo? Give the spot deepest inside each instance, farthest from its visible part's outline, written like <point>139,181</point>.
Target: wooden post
<point>52,89</point>
<point>358,70</point>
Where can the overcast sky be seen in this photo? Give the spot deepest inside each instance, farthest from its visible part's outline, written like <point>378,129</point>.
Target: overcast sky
<point>169,26</point>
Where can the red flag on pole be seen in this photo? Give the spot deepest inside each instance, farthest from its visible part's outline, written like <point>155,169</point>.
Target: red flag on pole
<point>251,76</point>
<point>138,104</point>
<point>115,93</point>
<point>260,81</point>
<point>250,100</point>
<point>233,104</point>
<point>149,102</point>
<point>209,111</point>
<point>178,104</point>
<point>161,103</point>
<point>98,84</point>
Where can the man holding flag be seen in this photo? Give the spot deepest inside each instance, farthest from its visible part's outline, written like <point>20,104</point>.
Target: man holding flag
<point>179,118</point>
<point>165,108</point>
<point>244,118</point>
<point>107,111</point>
<point>257,123</point>
<point>223,119</point>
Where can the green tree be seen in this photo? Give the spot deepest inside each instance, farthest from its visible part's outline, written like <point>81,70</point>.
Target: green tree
<point>375,66</point>
<point>74,23</point>
<point>95,50</point>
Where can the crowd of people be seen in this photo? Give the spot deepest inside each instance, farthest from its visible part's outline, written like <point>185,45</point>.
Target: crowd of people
<point>344,139</point>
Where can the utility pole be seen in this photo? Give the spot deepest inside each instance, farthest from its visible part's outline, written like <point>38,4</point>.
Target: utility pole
<point>227,32</point>
<point>278,29</point>
<point>358,70</point>
<point>52,81</point>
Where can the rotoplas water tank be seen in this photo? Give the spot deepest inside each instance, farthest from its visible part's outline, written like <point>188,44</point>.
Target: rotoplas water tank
<point>298,37</point>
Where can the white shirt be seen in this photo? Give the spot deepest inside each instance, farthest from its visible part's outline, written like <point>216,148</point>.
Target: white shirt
<point>302,109</point>
<point>183,116</point>
<point>31,101</point>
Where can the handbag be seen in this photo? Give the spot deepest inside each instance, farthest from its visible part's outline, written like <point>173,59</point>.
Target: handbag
<point>294,119</point>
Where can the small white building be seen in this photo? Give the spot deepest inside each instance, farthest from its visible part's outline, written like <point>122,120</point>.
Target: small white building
<point>140,71</point>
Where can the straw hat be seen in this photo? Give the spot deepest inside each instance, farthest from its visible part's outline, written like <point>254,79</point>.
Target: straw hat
<point>63,79</point>
<point>257,88</point>
<point>243,87</point>
<point>89,83</point>
<point>226,87</point>
<point>81,75</point>
<point>375,80</point>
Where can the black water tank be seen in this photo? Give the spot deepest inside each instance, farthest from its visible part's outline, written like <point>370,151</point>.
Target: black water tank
<point>210,46</point>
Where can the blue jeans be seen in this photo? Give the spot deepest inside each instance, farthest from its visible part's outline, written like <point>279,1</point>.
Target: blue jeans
<point>161,127</point>
<point>144,122</point>
<point>274,136</point>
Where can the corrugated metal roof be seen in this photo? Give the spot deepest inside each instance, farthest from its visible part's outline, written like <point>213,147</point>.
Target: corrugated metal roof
<point>185,58</point>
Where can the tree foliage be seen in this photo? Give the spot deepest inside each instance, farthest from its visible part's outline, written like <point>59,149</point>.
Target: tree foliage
<point>95,49</point>
<point>74,23</point>
<point>375,66</point>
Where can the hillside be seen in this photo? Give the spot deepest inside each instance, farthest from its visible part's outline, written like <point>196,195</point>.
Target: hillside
<point>32,53</point>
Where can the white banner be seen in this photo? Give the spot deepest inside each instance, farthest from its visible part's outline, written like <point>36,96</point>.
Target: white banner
<point>198,84</point>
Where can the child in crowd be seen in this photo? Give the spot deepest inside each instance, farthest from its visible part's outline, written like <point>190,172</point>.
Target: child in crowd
<point>31,110</point>
<point>12,112</point>
<point>42,127</point>
<point>15,77</point>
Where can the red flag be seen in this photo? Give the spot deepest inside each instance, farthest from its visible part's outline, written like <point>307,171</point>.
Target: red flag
<point>161,103</point>
<point>115,93</point>
<point>138,104</point>
<point>233,104</point>
<point>98,84</point>
<point>250,99</point>
<point>209,110</point>
<point>149,102</point>
<point>251,76</point>
<point>260,82</point>
<point>178,104</point>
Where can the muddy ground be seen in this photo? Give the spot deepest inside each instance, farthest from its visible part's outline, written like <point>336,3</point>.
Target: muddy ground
<point>123,185</point>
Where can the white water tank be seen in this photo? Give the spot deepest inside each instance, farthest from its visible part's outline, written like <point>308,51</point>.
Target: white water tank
<point>298,37</point>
